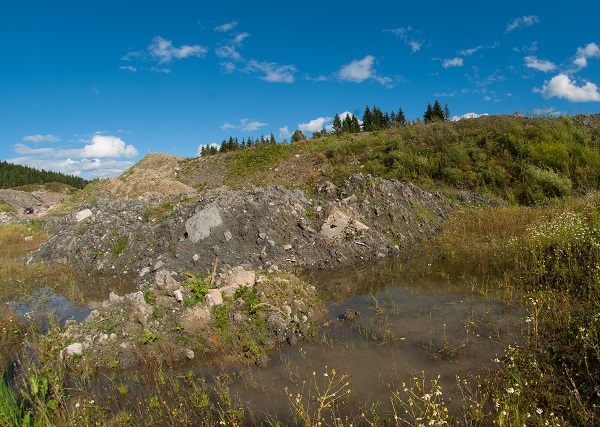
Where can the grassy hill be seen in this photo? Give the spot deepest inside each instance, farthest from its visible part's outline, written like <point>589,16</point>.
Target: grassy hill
<point>522,160</point>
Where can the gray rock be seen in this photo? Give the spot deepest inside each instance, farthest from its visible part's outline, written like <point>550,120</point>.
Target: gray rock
<point>165,281</point>
<point>200,225</point>
<point>81,215</point>
<point>178,295</point>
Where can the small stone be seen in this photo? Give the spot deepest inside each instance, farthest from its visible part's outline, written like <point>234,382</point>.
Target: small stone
<point>287,247</point>
<point>74,349</point>
<point>28,238</point>
<point>178,295</point>
<point>262,236</point>
<point>214,297</point>
<point>159,264</point>
<point>145,271</point>
<point>228,236</point>
<point>196,258</point>
<point>189,354</point>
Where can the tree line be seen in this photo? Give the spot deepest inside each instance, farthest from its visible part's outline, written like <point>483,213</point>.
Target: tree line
<point>373,119</point>
<point>12,175</point>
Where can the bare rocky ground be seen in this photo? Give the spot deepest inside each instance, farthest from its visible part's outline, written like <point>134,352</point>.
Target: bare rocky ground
<point>246,244</point>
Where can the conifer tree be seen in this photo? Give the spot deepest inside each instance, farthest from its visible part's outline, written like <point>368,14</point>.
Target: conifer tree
<point>337,125</point>
<point>367,120</point>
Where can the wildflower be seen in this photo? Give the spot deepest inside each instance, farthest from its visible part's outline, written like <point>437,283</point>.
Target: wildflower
<point>510,390</point>
<point>539,411</point>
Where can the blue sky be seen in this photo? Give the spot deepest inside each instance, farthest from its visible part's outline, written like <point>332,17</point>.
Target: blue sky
<point>90,87</point>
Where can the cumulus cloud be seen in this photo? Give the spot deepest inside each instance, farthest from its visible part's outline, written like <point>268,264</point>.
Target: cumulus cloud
<point>165,52</point>
<point>360,70</point>
<point>99,157</point>
<point>107,147</point>
<point>406,34</point>
<point>591,50</point>
<point>539,64</point>
<point>522,22</point>
<point>41,138</point>
<point>228,26</point>
<point>284,133</point>
<point>561,86</point>
<point>314,125</point>
<point>454,62</point>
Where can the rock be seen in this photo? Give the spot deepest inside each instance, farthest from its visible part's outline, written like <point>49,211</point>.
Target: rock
<point>237,276</point>
<point>28,238</point>
<point>214,297</point>
<point>350,314</point>
<point>75,349</point>
<point>337,222</point>
<point>165,281</point>
<point>228,236</point>
<point>200,225</point>
<point>178,295</point>
<point>196,318</point>
<point>287,247</point>
<point>159,264</point>
<point>145,271</point>
<point>188,354</point>
<point>196,258</point>
<point>262,236</point>
<point>139,309</point>
<point>81,215</point>
<point>113,297</point>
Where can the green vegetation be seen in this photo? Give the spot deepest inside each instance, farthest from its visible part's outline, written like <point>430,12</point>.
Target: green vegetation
<point>12,175</point>
<point>6,207</point>
<point>522,160</point>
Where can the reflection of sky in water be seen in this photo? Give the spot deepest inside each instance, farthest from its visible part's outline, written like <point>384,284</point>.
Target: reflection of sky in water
<point>38,306</point>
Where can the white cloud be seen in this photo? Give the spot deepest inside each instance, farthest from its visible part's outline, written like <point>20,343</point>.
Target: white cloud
<point>468,116</point>
<point>24,150</point>
<point>165,52</point>
<point>272,71</point>
<point>522,22</point>
<point>228,67</point>
<point>561,86</point>
<point>284,133</point>
<point>107,146</point>
<point>128,68</point>
<point>251,126</point>
<point>314,125</point>
<point>245,125</point>
<point>88,162</point>
<point>539,64</point>
<point>41,138</point>
<point>591,50</point>
<point>228,26</point>
<point>405,34</point>
<point>360,70</point>
<point>469,52</point>
<point>229,49</point>
<point>454,62</point>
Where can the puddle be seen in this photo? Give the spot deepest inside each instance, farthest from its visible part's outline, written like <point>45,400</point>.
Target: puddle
<point>38,307</point>
<point>414,315</point>
<point>403,330</point>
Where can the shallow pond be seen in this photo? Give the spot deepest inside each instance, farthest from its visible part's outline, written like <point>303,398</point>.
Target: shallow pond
<point>387,324</point>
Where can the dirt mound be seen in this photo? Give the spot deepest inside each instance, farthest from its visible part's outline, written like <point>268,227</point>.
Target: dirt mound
<point>41,201</point>
<point>156,173</point>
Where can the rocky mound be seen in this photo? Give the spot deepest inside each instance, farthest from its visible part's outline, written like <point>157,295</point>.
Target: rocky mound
<point>241,317</point>
<point>364,218</point>
<point>156,173</point>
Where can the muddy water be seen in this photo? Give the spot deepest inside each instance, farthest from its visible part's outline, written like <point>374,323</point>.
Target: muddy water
<point>409,323</point>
